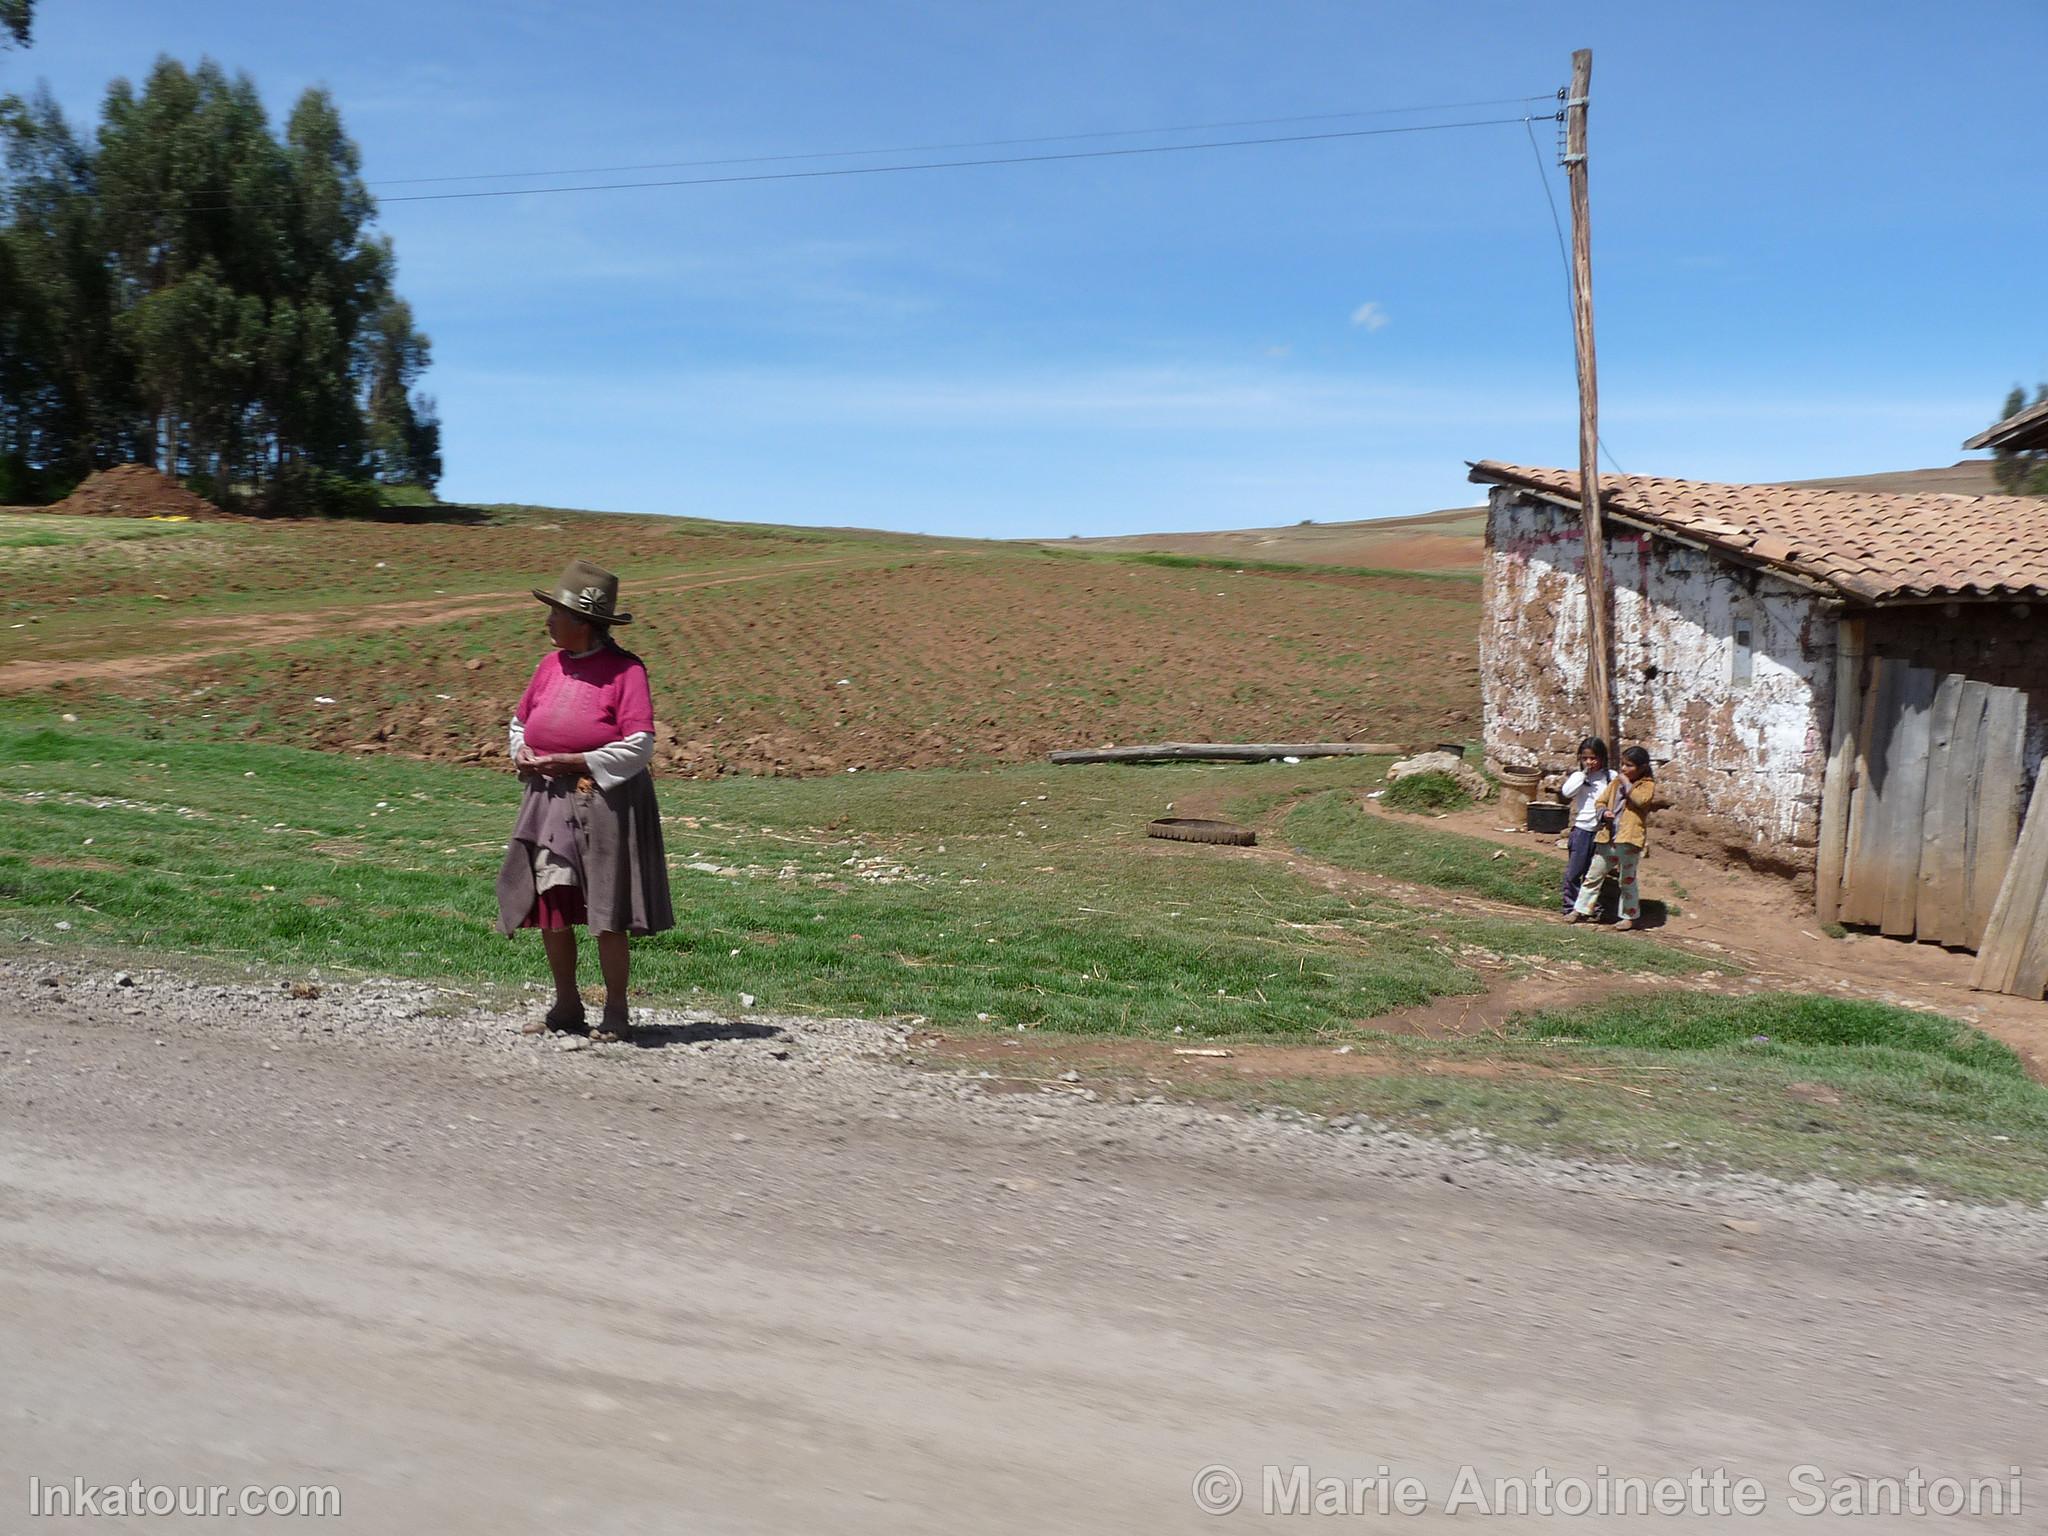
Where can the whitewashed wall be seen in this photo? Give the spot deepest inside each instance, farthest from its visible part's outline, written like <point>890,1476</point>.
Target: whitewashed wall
<point>1740,760</point>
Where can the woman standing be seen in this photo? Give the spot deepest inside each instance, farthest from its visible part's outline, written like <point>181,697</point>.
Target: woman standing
<point>586,849</point>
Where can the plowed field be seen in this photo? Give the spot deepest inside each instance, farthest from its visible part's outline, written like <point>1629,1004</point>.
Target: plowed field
<point>771,651</point>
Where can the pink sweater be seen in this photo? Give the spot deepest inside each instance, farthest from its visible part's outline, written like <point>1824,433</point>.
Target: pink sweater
<point>578,704</point>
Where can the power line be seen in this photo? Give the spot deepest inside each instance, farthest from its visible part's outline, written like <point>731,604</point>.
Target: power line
<point>920,149</point>
<point>885,170</point>
<point>1557,224</point>
<point>1543,176</point>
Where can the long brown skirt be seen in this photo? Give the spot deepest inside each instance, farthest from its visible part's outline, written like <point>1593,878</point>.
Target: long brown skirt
<point>612,836</point>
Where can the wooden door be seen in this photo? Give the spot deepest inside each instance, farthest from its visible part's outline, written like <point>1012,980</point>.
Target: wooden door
<point>1933,775</point>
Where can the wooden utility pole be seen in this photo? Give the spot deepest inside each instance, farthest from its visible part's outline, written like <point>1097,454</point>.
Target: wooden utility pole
<point>1599,673</point>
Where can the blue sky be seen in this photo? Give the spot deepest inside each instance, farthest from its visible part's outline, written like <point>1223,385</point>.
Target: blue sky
<point>1816,241</point>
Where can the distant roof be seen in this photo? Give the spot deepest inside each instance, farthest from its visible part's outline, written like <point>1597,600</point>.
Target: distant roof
<point>2022,429</point>
<point>1870,546</point>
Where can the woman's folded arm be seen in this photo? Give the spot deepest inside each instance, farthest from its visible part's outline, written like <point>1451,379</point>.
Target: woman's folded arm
<point>613,764</point>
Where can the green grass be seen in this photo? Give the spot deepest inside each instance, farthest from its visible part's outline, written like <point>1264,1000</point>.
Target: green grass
<point>1333,827</point>
<point>1786,1084</point>
<point>975,896</point>
<point>1860,1092</point>
<point>1865,1090</point>
<point>45,530</point>
<point>947,894</point>
<point>1027,895</point>
<point>406,496</point>
<point>1787,1025</point>
<point>1433,791</point>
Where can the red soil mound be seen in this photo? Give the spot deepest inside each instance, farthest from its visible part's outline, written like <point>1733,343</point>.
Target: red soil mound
<point>135,490</point>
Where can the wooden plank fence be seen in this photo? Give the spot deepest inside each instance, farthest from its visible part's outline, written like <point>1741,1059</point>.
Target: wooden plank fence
<point>1926,773</point>
<point>2000,805</point>
<point>1941,904</point>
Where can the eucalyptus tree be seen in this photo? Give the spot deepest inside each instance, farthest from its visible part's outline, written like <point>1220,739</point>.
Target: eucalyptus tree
<point>199,291</point>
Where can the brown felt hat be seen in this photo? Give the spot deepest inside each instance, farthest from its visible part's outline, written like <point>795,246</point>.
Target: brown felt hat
<point>586,591</point>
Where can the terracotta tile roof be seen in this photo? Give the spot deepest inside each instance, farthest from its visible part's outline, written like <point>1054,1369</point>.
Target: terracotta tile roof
<point>2022,429</point>
<point>1871,546</point>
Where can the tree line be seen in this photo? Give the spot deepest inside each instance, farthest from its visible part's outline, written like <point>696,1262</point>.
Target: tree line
<point>192,290</point>
<point>2021,471</point>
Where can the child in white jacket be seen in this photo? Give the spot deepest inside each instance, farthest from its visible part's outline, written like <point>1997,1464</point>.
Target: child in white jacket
<point>1582,789</point>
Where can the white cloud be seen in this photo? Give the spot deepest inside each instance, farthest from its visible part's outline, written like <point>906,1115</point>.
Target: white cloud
<point>1370,315</point>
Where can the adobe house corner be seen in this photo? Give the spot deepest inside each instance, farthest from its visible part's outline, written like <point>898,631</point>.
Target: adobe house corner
<point>1742,616</point>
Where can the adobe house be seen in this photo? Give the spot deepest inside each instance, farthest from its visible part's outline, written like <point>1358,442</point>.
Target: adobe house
<point>1847,688</point>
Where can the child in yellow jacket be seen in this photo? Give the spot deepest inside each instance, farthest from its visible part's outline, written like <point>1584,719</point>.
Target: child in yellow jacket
<point>1619,838</point>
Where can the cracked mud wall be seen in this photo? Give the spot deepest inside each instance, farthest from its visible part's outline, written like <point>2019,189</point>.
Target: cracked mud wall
<point>1738,731</point>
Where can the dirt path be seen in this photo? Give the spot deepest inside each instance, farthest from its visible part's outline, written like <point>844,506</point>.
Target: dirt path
<point>480,1284</point>
<point>1758,921</point>
<point>1722,912</point>
<point>242,632</point>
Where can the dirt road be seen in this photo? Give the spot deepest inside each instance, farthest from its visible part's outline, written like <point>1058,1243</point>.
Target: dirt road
<point>752,1278</point>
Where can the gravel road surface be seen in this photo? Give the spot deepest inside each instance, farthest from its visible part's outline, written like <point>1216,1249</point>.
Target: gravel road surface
<point>764,1276</point>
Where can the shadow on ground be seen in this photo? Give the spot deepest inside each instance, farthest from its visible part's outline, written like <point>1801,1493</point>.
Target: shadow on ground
<point>655,1037</point>
<point>439,512</point>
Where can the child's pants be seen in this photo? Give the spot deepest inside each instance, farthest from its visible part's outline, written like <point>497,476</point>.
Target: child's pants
<point>1612,859</point>
<point>1579,855</point>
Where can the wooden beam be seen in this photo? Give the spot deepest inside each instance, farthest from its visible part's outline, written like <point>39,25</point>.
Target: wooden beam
<point>1840,777</point>
<point>1230,752</point>
<point>2017,934</point>
<point>1599,661</point>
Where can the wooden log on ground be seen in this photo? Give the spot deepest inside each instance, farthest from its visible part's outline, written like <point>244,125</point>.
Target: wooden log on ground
<point>2018,930</point>
<point>1230,752</point>
<point>2031,977</point>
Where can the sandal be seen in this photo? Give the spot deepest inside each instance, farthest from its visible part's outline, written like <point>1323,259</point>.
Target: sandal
<point>616,1027</point>
<point>560,1018</point>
